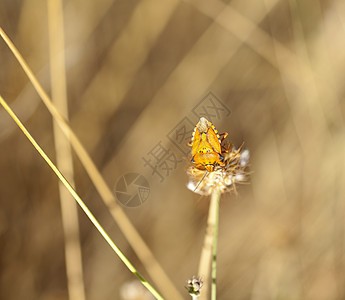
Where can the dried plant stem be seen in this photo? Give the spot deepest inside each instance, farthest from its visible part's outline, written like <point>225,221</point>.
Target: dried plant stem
<point>135,240</point>
<point>69,209</point>
<point>209,243</point>
<point>215,198</point>
<point>80,202</point>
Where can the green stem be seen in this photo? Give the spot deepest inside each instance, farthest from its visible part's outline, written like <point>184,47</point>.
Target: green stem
<point>80,202</point>
<point>215,198</point>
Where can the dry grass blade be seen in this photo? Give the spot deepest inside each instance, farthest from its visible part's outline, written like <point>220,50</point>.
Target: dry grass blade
<point>79,201</point>
<point>73,256</point>
<point>137,243</point>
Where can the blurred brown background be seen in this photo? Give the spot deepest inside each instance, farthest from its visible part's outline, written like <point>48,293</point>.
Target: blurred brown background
<point>135,69</point>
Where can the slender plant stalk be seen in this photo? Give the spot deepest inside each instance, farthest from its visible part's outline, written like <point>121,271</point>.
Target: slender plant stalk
<point>215,201</point>
<point>135,240</point>
<point>80,201</point>
<point>208,247</point>
<point>64,161</point>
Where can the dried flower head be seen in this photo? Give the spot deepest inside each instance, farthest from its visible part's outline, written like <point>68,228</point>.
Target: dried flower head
<point>194,286</point>
<point>222,178</point>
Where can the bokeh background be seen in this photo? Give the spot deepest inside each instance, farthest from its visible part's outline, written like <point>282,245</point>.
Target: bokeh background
<point>134,70</point>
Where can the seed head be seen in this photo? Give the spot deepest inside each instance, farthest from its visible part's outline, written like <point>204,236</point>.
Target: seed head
<point>223,178</point>
<point>194,286</point>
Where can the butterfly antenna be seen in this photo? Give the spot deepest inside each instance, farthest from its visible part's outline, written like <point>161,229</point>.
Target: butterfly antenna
<point>201,181</point>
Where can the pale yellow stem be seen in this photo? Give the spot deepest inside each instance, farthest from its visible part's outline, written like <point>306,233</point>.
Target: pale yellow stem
<point>73,258</point>
<point>206,253</point>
